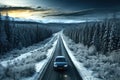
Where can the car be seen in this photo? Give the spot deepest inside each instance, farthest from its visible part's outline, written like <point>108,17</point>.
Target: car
<point>60,63</point>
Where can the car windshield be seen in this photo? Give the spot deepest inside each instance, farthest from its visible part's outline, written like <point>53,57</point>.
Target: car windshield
<point>60,60</point>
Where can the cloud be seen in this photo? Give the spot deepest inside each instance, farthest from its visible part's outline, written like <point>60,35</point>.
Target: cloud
<point>85,12</point>
<point>72,13</point>
<point>25,12</point>
<point>7,8</point>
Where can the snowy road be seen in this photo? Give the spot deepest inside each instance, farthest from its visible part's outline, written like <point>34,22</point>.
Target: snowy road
<point>70,74</point>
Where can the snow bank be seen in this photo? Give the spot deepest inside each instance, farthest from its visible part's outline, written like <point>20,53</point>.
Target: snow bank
<point>83,72</point>
<point>41,65</point>
<point>49,55</point>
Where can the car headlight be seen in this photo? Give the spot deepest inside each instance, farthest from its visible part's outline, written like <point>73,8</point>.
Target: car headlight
<point>55,65</point>
<point>65,65</point>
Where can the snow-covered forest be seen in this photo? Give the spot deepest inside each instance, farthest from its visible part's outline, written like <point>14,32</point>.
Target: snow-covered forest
<point>104,35</point>
<point>18,34</point>
<point>97,46</point>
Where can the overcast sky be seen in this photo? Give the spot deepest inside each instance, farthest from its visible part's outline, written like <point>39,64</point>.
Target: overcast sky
<point>62,8</point>
<point>64,4</point>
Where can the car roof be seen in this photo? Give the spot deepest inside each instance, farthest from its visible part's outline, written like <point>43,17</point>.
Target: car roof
<point>60,57</point>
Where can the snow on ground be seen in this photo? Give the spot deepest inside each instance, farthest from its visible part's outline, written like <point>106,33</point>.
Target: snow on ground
<point>49,55</point>
<point>16,52</point>
<point>84,73</point>
<point>28,63</point>
<point>25,55</point>
<point>41,65</point>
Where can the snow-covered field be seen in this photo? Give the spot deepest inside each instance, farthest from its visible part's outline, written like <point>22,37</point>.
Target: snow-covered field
<point>17,52</point>
<point>27,65</point>
<point>90,64</point>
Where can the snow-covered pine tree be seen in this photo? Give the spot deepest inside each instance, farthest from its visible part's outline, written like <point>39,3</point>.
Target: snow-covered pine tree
<point>3,36</point>
<point>95,39</point>
<point>88,41</point>
<point>7,27</point>
<point>118,45</point>
<point>111,38</point>
<point>83,34</point>
<point>86,35</point>
<point>91,34</point>
<point>106,37</point>
<point>101,33</point>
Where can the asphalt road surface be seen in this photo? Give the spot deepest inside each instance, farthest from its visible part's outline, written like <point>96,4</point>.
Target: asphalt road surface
<point>70,74</point>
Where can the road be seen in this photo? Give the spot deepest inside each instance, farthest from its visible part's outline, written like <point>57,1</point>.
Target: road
<point>70,74</point>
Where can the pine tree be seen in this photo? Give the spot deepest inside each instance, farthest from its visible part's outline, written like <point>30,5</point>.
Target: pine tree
<point>118,45</point>
<point>111,37</point>
<point>7,27</point>
<point>95,39</point>
<point>106,37</point>
<point>101,33</point>
<point>3,36</point>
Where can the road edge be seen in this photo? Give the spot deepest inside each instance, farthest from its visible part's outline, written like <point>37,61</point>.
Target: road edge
<point>76,63</point>
<point>39,75</point>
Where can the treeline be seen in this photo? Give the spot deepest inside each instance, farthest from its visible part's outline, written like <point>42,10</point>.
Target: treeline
<point>104,35</point>
<point>15,34</point>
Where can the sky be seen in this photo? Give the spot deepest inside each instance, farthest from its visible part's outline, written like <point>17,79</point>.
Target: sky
<point>57,10</point>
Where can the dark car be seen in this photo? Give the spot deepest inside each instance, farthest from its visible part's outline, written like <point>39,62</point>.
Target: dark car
<point>60,63</point>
